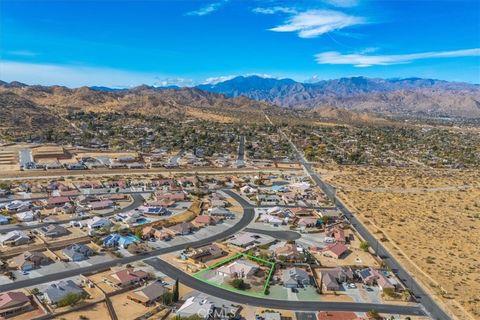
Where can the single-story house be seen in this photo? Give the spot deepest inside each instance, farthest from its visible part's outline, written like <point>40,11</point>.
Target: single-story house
<point>4,219</point>
<point>97,223</point>
<point>182,229</point>
<point>30,260</point>
<point>372,276</point>
<point>289,251</point>
<point>205,220</point>
<point>53,202</point>
<point>160,234</point>
<point>53,231</point>
<point>221,212</point>
<point>336,250</point>
<point>237,269</point>
<point>331,278</point>
<point>337,233</point>
<point>196,306</point>
<point>117,240</point>
<point>295,277</point>
<point>14,303</point>
<point>27,216</point>
<point>78,252</point>
<point>55,292</point>
<point>207,253</point>
<point>126,277</point>
<point>148,294</point>
<point>14,238</point>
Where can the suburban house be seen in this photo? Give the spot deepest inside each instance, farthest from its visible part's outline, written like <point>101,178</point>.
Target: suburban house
<point>18,206</point>
<point>237,269</point>
<point>272,219</point>
<point>14,238</point>
<point>148,294</point>
<point>372,276</point>
<point>221,212</point>
<point>160,234</point>
<point>335,250</point>
<point>182,229</point>
<point>207,253</point>
<point>331,278</point>
<point>117,240</point>
<point>130,218</point>
<point>53,202</point>
<point>30,260</point>
<point>205,220</point>
<point>246,239</point>
<point>14,303</point>
<point>156,210</point>
<point>196,306</point>
<point>305,223</point>
<point>52,231</point>
<point>27,216</point>
<point>126,277</point>
<point>295,277</point>
<point>289,252</point>
<point>55,292</point>
<point>78,252</point>
<point>97,223</point>
<point>178,196</point>
<point>337,233</point>
<point>4,219</point>
<point>101,205</point>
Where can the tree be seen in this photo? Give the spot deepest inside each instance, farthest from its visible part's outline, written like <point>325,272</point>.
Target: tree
<point>35,291</point>
<point>364,245</point>
<point>238,284</point>
<point>69,299</point>
<point>176,294</point>
<point>374,314</point>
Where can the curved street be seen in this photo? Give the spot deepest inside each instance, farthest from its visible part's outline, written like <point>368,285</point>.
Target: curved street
<point>247,217</point>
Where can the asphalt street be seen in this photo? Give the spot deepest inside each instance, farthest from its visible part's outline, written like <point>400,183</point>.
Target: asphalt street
<point>421,296</point>
<point>137,201</point>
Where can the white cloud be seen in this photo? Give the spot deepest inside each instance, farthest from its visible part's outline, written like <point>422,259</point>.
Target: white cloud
<point>71,76</point>
<point>313,23</point>
<point>181,82</point>
<point>22,53</point>
<point>208,9</point>
<point>215,80</point>
<point>342,3</point>
<point>273,10</point>
<point>363,60</point>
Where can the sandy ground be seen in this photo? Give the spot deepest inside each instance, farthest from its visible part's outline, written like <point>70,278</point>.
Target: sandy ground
<point>430,220</point>
<point>126,308</point>
<point>96,311</point>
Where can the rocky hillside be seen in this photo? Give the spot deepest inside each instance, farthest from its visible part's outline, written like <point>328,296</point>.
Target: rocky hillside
<point>411,97</point>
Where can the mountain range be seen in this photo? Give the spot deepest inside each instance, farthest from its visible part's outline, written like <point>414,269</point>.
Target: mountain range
<point>409,97</point>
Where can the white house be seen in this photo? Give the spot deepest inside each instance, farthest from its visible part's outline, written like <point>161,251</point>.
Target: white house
<point>97,223</point>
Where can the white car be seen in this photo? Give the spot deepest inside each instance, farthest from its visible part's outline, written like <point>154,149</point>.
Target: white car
<point>352,285</point>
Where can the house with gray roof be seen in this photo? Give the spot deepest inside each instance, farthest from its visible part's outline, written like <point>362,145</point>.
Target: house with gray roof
<point>55,292</point>
<point>53,231</point>
<point>78,252</point>
<point>295,277</point>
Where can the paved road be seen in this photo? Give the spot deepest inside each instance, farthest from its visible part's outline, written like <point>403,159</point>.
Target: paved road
<point>280,234</point>
<point>241,152</point>
<point>137,202</point>
<point>422,297</point>
<point>204,287</point>
<point>247,217</point>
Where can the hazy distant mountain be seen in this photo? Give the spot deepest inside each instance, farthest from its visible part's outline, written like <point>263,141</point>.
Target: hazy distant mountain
<point>410,96</point>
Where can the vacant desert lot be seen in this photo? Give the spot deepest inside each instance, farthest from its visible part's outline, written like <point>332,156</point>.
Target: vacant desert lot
<point>429,219</point>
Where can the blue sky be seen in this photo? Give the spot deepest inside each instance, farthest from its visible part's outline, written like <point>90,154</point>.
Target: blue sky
<point>126,43</point>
